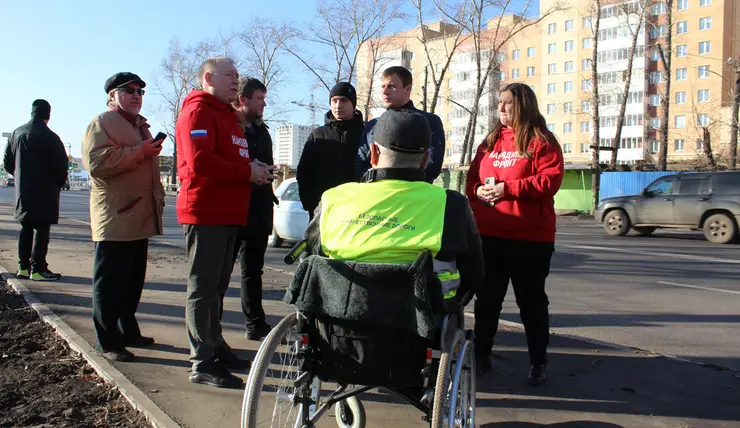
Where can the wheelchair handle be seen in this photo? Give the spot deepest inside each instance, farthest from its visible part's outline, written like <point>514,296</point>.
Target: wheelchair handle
<point>295,252</point>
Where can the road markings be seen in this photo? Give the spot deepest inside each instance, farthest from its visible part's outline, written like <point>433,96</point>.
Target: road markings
<point>650,253</point>
<point>698,287</point>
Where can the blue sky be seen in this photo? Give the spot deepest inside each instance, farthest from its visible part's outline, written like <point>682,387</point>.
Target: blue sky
<point>63,51</point>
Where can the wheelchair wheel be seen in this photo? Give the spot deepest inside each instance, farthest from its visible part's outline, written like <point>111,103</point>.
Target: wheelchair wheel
<point>350,413</point>
<point>270,397</point>
<point>442,388</point>
<point>462,403</point>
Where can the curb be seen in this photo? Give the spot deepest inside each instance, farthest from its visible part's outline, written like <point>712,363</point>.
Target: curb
<point>156,417</point>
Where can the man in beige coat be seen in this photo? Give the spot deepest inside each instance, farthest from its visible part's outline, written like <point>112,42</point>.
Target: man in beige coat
<point>126,206</point>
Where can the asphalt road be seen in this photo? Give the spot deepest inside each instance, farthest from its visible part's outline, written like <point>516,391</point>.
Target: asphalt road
<point>672,293</point>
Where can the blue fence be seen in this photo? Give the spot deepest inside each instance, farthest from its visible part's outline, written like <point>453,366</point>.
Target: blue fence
<point>627,183</point>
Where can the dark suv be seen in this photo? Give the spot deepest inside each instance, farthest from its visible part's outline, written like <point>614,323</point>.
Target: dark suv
<point>700,201</point>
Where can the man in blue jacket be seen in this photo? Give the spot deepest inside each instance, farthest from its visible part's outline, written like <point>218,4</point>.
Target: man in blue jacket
<point>396,84</point>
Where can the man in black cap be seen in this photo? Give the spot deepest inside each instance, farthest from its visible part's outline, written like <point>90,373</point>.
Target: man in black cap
<point>126,206</point>
<point>394,214</point>
<point>328,158</point>
<point>36,157</point>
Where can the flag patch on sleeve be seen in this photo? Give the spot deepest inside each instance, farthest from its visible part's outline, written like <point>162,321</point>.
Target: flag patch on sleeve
<point>198,133</point>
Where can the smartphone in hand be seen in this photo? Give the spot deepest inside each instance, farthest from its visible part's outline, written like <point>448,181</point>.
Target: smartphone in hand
<point>159,139</point>
<point>491,181</point>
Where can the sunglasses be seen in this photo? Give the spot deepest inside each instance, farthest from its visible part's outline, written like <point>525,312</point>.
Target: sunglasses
<point>129,90</point>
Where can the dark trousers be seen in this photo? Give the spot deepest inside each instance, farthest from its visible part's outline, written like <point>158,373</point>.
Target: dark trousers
<point>119,272</point>
<point>32,250</point>
<point>250,248</point>
<point>210,262</point>
<point>526,264</point>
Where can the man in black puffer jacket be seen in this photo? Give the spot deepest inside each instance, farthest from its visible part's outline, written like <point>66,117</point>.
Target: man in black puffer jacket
<point>328,158</point>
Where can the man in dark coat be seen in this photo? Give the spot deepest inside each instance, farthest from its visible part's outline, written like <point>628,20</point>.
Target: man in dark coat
<point>397,84</point>
<point>251,243</point>
<point>35,156</point>
<point>328,158</point>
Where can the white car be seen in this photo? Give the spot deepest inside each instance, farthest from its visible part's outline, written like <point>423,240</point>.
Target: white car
<point>290,219</point>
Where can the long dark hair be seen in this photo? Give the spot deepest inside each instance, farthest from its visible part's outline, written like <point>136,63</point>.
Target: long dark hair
<point>527,121</point>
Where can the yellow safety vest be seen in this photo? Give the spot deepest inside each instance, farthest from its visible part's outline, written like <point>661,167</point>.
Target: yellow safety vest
<point>387,221</point>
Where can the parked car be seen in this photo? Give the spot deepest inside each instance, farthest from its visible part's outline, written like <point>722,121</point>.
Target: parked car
<point>66,185</point>
<point>699,201</point>
<point>290,219</point>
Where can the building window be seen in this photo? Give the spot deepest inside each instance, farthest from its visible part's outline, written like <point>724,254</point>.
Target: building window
<point>585,106</point>
<point>568,86</point>
<point>568,66</point>
<point>683,4</point>
<point>569,25</point>
<point>551,48</point>
<point>703,95</point>
<point>551,108</point>
<point>585,148</point>
<point>586,64</point>
<point>586,85</point>
<point>552,69</point>
<point>585,126</point>
<point>658,31</point>
<point>587,22</point>
<point>530,71</point>
<point>568,107</point>
<point>682,27</point>
<point>699,144</point>
<point>551,127</point>
<point>515,54</point>
<point>705,47</point>
<point>703,119</point>
<point>552,28</point>
<point>654,146</point>
<point>679,145</point>
<point>530,52</point>
<point>567,128</point>
<point>567,148</point>
<point>705,2</point>
<point>515,73</point>
<point>682,51</point>
<point>550,88</point>
<point>705,23</point>
<point>703,71</point>
<point>654,55</point>
<point>656,77</point>
<point>658,9</point>
<point>502,76</point>
<point>680,121</point>
<point>655,122</point>
<point>680,74</point>
<point>532,88</point>
<point>586,43</point>
<point>681,97</point>
<point>654,100</point>
<point>568,45</point>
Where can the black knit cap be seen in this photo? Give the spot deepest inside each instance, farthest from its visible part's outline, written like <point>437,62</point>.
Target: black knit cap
<point>40,109</point>
<point>403,131</point>
<point>122,79</point>
<point>344,89</point>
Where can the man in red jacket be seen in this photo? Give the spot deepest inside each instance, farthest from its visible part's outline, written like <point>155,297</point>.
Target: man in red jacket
<point>213,202</point>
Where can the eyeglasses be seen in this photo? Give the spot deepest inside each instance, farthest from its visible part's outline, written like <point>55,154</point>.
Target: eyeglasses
<point>129,90</point>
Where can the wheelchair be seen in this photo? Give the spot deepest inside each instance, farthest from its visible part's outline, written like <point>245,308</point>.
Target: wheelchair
<point>286,384</point>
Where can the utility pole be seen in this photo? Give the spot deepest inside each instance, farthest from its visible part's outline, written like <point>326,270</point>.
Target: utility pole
<point>735,64</point>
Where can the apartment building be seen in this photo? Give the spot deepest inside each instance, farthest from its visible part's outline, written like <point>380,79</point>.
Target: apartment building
<point>554,57</point>
<point>288,146</point>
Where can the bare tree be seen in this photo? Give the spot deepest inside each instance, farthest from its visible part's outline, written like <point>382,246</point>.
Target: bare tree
<point>488,43</point>
<point>666,55</point>
<point>177,77</point>
<point>377,56</point>
<point>439,48</point>
<point>735,64</point>
<point>595,165</point>
<point>642,14</point>
<point>342,27</point>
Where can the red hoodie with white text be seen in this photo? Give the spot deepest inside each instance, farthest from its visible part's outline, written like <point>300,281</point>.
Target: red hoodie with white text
<point>527,210</point>
<point>212,162</point>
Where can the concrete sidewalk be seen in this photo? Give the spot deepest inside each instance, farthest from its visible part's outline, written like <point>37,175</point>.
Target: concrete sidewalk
<point>590,385</point>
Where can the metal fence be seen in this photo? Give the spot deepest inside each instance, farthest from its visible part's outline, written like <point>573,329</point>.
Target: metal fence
<point>627,183</point>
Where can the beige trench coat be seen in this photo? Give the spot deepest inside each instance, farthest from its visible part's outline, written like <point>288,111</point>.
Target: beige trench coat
<point>127,197</point>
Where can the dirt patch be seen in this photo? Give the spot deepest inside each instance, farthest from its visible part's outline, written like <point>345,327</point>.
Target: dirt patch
<point>44,384</point>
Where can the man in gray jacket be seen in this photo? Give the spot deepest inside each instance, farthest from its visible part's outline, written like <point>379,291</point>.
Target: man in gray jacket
<point>36,157</point>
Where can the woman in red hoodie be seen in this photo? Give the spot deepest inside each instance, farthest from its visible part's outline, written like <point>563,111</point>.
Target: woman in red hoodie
<point>510,185</point>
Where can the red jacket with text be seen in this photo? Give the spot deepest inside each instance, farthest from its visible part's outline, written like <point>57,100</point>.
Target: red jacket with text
<point>527,211</point>
<point>212,163</point>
